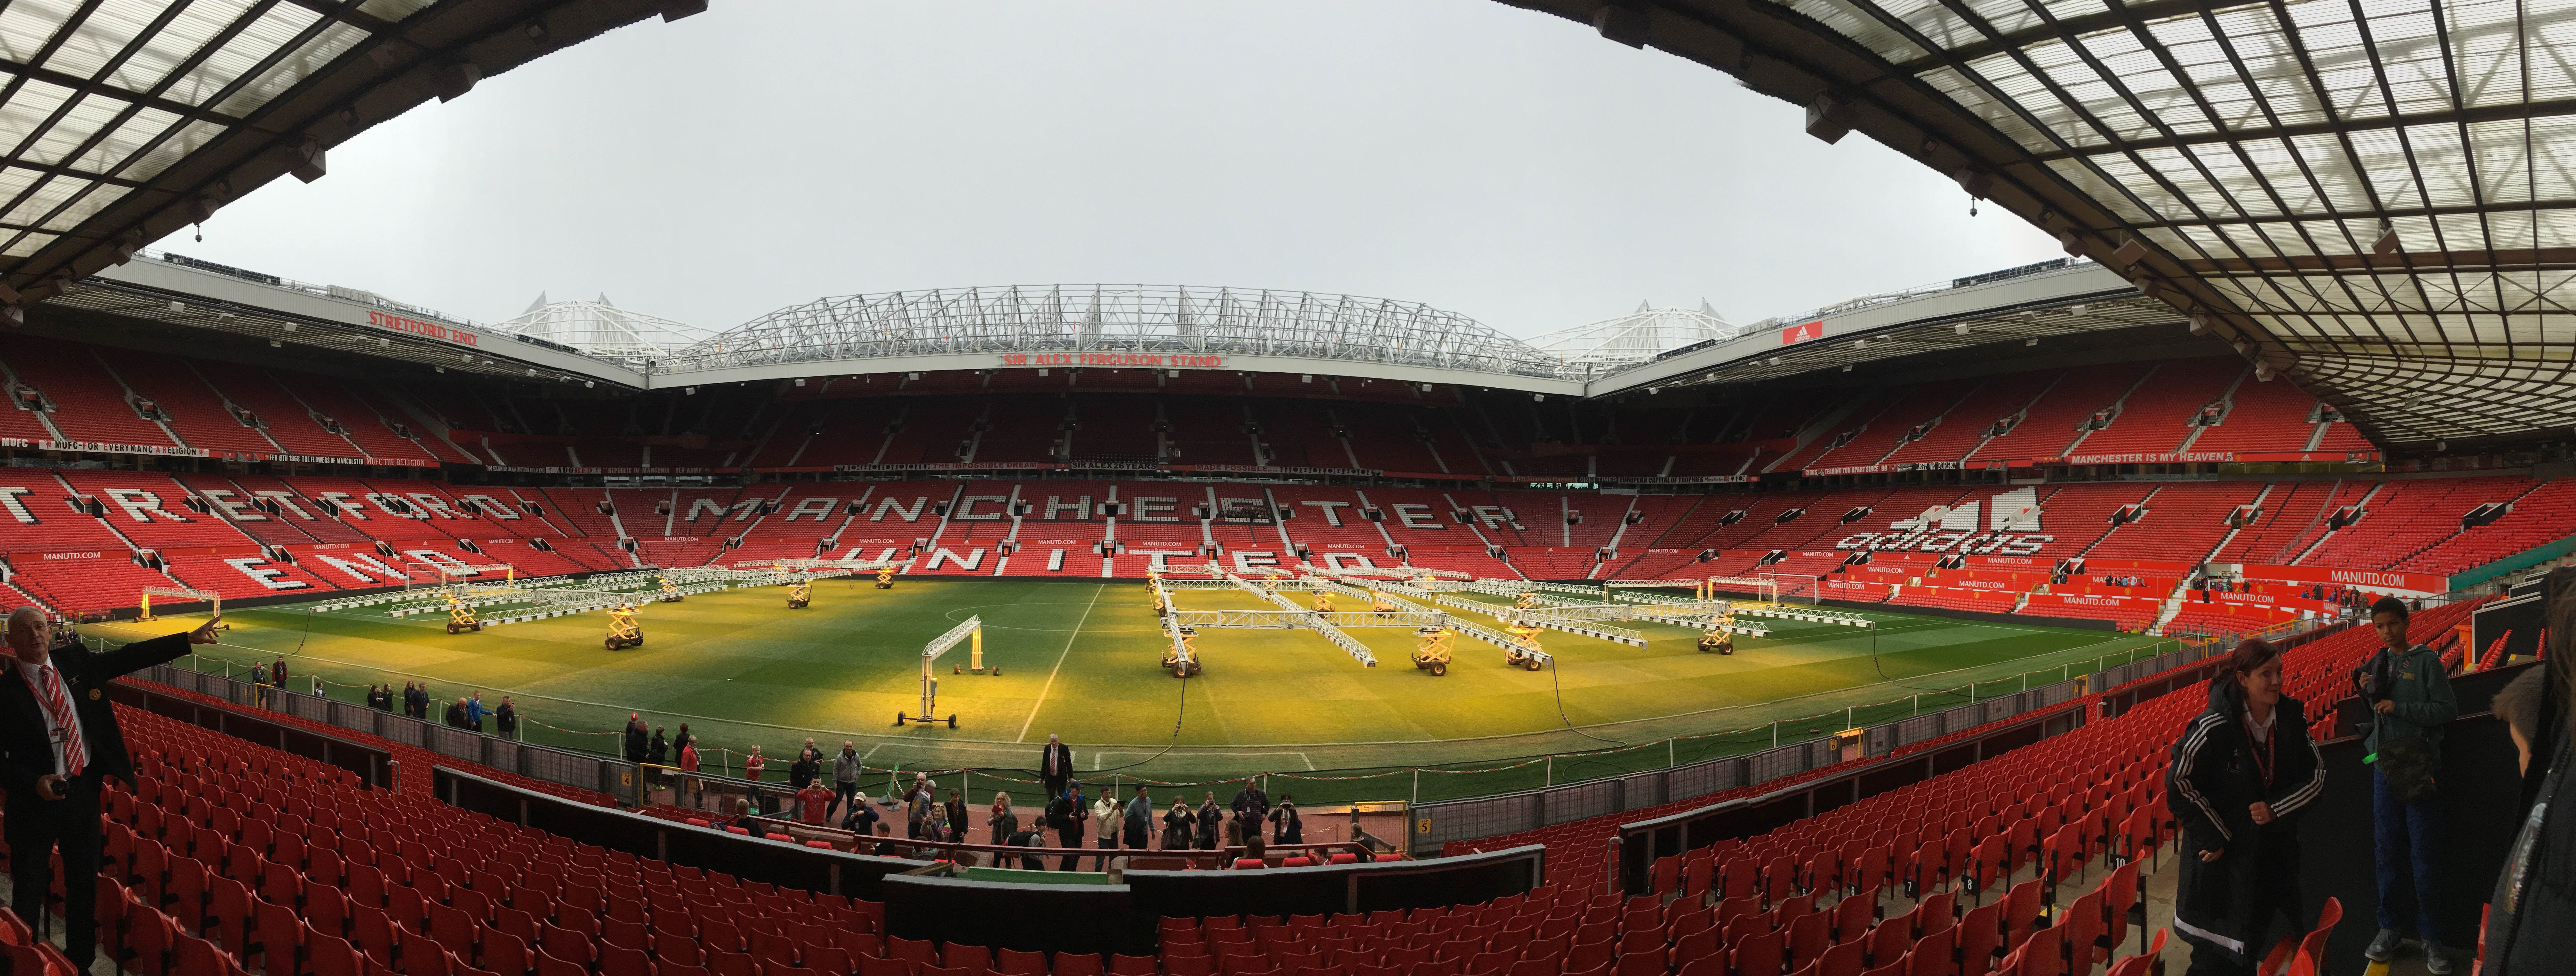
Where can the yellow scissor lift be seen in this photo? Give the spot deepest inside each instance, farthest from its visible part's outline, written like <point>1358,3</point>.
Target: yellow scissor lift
<point>460,618</point>
<point>1431,649</point>
<point>623,631</point>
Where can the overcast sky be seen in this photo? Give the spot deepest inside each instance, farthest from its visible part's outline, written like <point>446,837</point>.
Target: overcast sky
<point>1503,164</point>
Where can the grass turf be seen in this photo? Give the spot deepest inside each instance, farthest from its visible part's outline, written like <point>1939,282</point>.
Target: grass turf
<point>1080,659</point>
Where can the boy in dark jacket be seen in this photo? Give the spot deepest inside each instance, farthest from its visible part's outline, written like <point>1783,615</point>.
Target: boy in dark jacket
<point>2241,773</point>
<point>2409,713</point>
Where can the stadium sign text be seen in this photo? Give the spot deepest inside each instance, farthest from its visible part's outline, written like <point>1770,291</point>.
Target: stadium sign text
<point>417,327</point>
<point>1151,359</point>
<point>2188,457</point>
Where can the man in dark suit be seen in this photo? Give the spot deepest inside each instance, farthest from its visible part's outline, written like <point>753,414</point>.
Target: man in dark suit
<point>1055,766</point>
<point>58,739</point>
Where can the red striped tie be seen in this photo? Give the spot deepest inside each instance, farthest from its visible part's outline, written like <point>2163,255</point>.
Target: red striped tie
<point>59,706</point>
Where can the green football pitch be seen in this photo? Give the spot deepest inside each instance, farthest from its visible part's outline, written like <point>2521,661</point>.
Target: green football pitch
<point>1081,660</point>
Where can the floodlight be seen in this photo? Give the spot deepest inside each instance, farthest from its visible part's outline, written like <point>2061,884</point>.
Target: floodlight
<point>1830,117</point>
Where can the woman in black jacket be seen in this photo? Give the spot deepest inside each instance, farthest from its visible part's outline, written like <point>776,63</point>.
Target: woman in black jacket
<point>2241,774</point>
<point>1211,820</point>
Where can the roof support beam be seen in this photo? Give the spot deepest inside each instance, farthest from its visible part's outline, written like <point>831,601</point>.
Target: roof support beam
<point>2466,116</point>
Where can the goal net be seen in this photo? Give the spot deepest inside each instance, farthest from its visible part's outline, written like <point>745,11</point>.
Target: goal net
<point>1798,588</point>
<point>495,578</point>
<point>1764,588</point>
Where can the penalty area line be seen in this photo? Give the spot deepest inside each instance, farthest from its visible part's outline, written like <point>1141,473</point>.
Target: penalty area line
<point>1059,664</point>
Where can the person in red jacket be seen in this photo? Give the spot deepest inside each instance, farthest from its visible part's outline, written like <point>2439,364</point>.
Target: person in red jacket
<point>813,803</point>
<point>688,765</point>
<point>752,766</point>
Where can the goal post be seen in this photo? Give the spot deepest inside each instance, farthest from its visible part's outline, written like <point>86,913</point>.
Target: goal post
<point>1765,588</point>
<point>1795,588</point>
<point>143,603</point>
<point>449,576</point>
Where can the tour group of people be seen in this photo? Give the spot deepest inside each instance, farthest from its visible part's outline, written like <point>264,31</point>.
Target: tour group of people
<point>2245,771</point>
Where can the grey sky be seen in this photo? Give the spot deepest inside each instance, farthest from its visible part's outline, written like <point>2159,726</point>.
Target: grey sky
<point>1503,164</point>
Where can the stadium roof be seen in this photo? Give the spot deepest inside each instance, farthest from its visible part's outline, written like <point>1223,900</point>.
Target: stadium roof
<point>2367,196</point>
<point>1119,320</point>
<point>1636,337</point>
<point>127,120</point>
<point>602,329</point>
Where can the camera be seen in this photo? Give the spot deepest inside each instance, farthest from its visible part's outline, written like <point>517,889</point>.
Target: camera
<point>2375,678</point>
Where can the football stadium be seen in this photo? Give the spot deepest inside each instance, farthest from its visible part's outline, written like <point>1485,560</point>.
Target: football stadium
<point>1933,632</point>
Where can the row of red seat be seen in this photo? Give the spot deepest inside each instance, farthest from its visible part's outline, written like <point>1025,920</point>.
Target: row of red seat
<point>211,528</point>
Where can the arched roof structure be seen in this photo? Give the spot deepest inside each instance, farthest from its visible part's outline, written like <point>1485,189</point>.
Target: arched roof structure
<point>128,120</point>
<point>2372,200</point>
<point>2369,200</point>
<point>1120,319</point>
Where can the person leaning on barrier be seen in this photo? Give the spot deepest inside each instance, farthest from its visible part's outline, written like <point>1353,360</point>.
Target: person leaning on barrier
<point>1030,837</point>
<point>260,688</point>
<point>456,714</point>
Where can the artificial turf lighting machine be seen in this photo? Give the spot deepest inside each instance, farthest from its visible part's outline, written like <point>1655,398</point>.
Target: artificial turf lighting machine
<point>623,631</point>
<point>800,594</point>
<point>972,630</point>
<point>460,617</point>
<point>1431,649</point>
